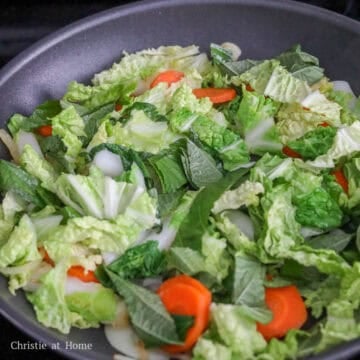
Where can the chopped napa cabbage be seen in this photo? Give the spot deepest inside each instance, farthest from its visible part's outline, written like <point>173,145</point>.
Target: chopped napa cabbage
<point>69,126</point>
<point>57,310</point>
<point>293,121</point>
<point>246,194</point>
<point>21,247</point>
<point>102,197</point>
<point>284,87</point>
<point>318,103</point>
<point>143,134</point>
<point>346,143</point>
<point>146,63</point>
<point>38,167</point>
<point>257,76</point>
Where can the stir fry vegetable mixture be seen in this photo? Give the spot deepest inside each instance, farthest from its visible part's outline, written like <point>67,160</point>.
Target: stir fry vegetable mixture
<point>191,204</point>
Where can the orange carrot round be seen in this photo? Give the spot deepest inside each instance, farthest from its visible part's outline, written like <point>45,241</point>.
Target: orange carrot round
<point>168,76</point>
<point>324,124</point>
<point>80,273</point>
<point>290,152</point>
<point>341,180</point>
<point>118,107</point>
<point>289,311</point>
<point>216,95</point>
<point>183,295</point>
<point>45,130</point>
<point>249,88</point>
<point>187,280</point>
<point>46,256</point>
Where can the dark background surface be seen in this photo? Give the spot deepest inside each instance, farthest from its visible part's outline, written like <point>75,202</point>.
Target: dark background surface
<point>23,23</point>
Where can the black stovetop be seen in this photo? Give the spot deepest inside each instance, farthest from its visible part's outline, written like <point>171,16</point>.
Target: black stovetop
<point>23,23</point>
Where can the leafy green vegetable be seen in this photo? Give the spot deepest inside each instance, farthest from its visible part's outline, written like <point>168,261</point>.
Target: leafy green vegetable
<point>294,121</point>
<point>230,148</point>
<point>167,203</point>
<point>314,143</point>
<point>200,168</point>
<point>217,260</point>
<point>346,143</point>
<point>93,307</point>
<point>143,134</point>
<point>186,260</point>
<point>319,209</point>
<point>206,349</point>
<point>21,247</point>
<point>195,223</point>
<point>94,97</point>
<point>54,151</point>
<point>237,330</point>
<point>149,109</point>
<point>349,105</point>
<point>284,87</point>
<point>49,301</point>
<point>352,174</point>
<point>94,119</point>
<point>302,65</point>
<point>246,194</point>
<point>336,240</point>
<point>257,76</point>
<point>152,323</point>
<point>22,184</point>
<point>69,126</point>
<point>183,323</point>
<point>140,261</point>
<point>41,116</point>
<point>38,167</point>
<point>249,278</point>
<point>320,104</point>
<point>169,170</point>
<point>255,121</point>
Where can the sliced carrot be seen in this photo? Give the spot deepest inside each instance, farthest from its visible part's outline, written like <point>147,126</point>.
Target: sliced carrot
<point>46,256</point>
<point>75,271</point>
<point>80,273</point>
<point>290,152</point>
<point>187,280</point>
<point>183,295</point>
<point>169,77</point>
<point>45,130</point>
<point>341,180</point>
<point>216,95</point>
<point>249,88</point>
<point>289,311</point>
<point>118,107</point>
<point>324,124</point>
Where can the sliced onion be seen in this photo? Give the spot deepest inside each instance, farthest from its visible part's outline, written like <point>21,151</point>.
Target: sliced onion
<point>233,48</point>
<point>127,342</point>
<point>242,222</point>
<point>122,316</point>
<point>10,144</point>
<point>14,270</point>
<point>27,138</point>
<point>341,85</point>
<point>73,285</point>
<point>152,283</point>
<point>308,232</point>
<point>109,163</point>
<point>43,225</point>
<point>141,87</point>
<point>259,130</point>
<point>165,237</point>
<point>109,257</point>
